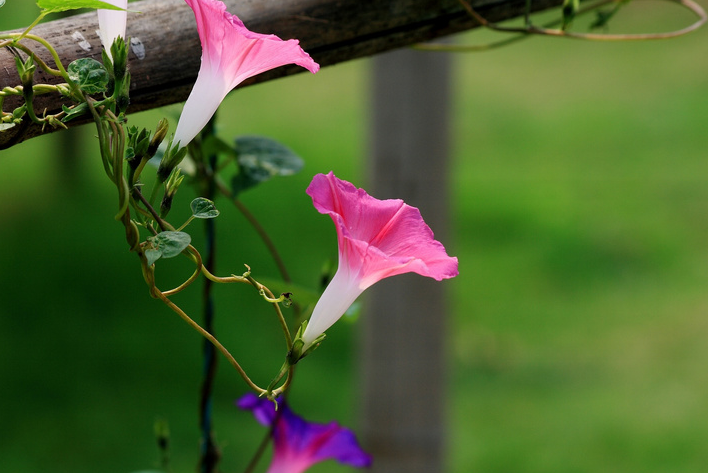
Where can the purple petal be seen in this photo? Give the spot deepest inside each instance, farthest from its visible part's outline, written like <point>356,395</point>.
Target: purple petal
<point>298,444</point>
<point>263,409</point>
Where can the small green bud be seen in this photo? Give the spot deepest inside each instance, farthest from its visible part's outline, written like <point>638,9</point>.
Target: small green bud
<point>132,131</point>
<point>55,122</point>
<point>171,186</point>
<point>160,133</point>
<point>19,112</point>
<point>295,353</point>
<point>138,142</point>
<point>64,90</point>
<point>26,71</point>
<point>170,161</point>
<point>119,52</point>
<point>173,183</point>
<point>107,63</point>
<point>136,136</point>
<point>299,350</point>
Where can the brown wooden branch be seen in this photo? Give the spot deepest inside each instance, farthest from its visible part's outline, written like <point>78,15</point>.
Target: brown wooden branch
<point>165,49</point>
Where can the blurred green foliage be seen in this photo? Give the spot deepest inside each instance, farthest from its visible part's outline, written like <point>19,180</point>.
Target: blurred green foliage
<point>579,216</point>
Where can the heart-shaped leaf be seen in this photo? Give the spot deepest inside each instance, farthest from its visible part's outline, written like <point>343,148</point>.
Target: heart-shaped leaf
<point>167,244</point>
<point>260,159</point>
<point>203,208</point>
<point>89,75</point>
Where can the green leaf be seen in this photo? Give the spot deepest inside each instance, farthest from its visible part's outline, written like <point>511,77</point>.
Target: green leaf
<point>264,158</point>
<point>152,256</point>
<point>167,244</point>
<point>64,5</point>
<point>171,243</point>
<point>260,159</point>
<point>89,75</point>
<point>74,112</point>
<point>203,208</point>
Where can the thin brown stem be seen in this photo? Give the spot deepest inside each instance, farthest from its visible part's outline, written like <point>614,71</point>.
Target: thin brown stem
<point>283,323</point>
<point>535,30</point>
<point>175,308</point>
<point>155,215</point>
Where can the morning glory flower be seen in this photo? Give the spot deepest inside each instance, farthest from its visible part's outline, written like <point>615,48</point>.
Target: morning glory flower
<point>230,54</point>
<point>111,23</point>
<point>377,239</point>
<point>299,444</point>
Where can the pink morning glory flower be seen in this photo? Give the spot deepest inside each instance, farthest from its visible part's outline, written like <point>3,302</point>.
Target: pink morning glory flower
<point>299,444</point>
<point>111,23</point>
<point>377,239</point>
<point>230,54</point>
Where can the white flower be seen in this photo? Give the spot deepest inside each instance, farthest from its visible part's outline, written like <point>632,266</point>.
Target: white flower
<point>111,23</point>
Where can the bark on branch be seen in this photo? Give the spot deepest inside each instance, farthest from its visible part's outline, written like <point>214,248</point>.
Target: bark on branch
<point>165,49</point>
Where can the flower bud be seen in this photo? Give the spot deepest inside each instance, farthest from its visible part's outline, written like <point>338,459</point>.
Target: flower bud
<point>299,350</point>
<point>170,160</point>
<point>171,187</point>
<point>160,133</point>
<point>26,71</point>
<point>119,54</point>
<point>55,122</point>
<point>138,142</point>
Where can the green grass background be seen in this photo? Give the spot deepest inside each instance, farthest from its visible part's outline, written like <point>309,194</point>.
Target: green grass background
<point>579,215</point>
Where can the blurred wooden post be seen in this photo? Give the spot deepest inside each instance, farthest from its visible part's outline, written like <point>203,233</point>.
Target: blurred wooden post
<point>403,366</point>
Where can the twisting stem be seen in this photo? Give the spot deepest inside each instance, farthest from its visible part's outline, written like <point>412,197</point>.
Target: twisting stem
<point>33,24</point>
<point>155,215</point>
<point>132,236</point>
<point>268,294</point>
<point>53,52</point>
<point>265,292</point>
<point>530,29</point>
<point>37,60</point>
<point>185,284</point>
<point>112,137</point>
<point>175,308</point>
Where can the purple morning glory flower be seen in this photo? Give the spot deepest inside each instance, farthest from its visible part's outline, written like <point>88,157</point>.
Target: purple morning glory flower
<point>299,444</point>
